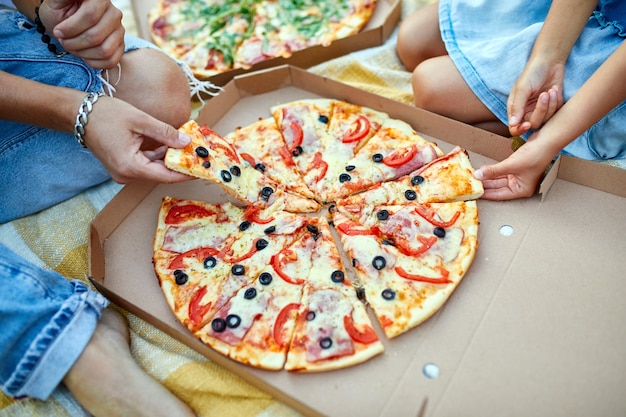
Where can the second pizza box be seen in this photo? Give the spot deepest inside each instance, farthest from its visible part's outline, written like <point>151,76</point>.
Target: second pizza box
<point>534,328</point>
<point>378,29</point>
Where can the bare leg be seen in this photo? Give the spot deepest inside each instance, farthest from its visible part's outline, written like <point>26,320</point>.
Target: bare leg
<point>107,381</point>
<point>419,38</point>
<point>439,87</point>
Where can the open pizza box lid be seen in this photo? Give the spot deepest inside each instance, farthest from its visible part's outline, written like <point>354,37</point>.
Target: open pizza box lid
<point>381,25</point>
<point>535,327</point>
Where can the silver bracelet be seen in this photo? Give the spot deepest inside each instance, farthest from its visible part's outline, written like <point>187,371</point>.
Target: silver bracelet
<point>81,118</point>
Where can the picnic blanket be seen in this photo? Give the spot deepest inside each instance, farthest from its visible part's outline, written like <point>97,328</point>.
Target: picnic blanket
<point>57,239</point>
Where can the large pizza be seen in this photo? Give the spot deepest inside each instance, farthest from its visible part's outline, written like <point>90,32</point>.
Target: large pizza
<point>215,36</point>
<point>338,210</point>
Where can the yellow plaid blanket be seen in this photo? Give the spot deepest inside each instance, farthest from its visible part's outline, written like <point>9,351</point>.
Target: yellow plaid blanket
<point>57,239</point>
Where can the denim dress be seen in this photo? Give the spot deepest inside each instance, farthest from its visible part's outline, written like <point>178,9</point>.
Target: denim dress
<point>490,41</point>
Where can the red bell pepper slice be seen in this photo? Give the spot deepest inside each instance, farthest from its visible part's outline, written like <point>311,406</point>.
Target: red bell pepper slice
<point>319,164</point>
<point>199,253</point>
<point>429,215</point>
<point>252,214</point>
<point>179,214</point>
<point>355,229</point>
<point>367,336</point>
<point>278,262</point>
<point>426,241</point>
<point>443,279</point>
<point>359,129</point>
<point>248,158</point>
<point>197,311</point>
<point>281,319</point>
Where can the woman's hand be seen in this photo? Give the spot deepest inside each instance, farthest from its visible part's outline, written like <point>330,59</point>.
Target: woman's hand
<point>89,29</point>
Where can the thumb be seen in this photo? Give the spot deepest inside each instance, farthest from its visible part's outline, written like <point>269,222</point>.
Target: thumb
<point>489,172</point>
<point>167,135</point>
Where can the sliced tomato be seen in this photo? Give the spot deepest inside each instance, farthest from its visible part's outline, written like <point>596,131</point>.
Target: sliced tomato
<point>252,214</point>
<point>179,214</point>
<point>443,279</point>
<point>359,129</point>
<point>246,255</point>
<point>228,150</point>
<point>319,164</point>
<point>197,310</point>
<point>199,253</point>
<point>281,319</point>
<point>278,262</point>
<point>400,156</point>
<point>429,215</point>
<point>286,155</point>
<point>426,241</point>
<point>248,158</point>
<point>366,336</point>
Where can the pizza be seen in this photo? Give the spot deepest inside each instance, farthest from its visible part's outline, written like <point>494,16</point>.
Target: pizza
<point>368,230</point>
<point>215,36</point>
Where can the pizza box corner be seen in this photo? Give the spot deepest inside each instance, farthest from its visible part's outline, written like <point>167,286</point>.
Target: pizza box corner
<point>534,328</point>
<point>379,28</point>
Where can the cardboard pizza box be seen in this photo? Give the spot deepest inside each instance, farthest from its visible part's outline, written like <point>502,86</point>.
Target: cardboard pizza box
<point>534,329</point>
<point>381,25</point>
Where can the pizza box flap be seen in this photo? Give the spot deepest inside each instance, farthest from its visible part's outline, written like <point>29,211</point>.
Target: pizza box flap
<point>533,329</point>
<point>381,25</point>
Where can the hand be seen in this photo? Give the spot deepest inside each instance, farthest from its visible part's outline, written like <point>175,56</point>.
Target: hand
<point>89,29</point>
<point>117,134</point>
<point>535,97</point>
<point>518,175</point>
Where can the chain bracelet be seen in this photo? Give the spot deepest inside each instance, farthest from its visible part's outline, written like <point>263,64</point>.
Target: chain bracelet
<point>82,117</point>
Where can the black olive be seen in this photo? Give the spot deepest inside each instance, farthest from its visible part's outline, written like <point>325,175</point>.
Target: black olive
<point>312,228</point>
<point>244,225</point>
<point>344,177</point>
<point>350,168</point>
<point>377,157</point>
<point>297,151</point>
<point>266,192</point>
<point>310,315</point>
<point>218,325</point>
<point>382,215</point>
<point>265,278</point>
<point>355,261</point>
<point>389,241</point>
<point>410,195</point>
<point>261,244</point>
<point>323,118</point>
<point>249,294</point>
<point>238,269</point>
<point>235,170</point>
<point>210,262</point>
<point>332,208</point>
<point>206,164</point>
<point>269,230</point>
<point>379,262</point>
<point>260,167</point>
<point>326,343</point>
<point>337,276</point>
<point>388,294</point>
<point>226,176</point>
<point>360,293</point>
<point>417,180</point>
<point>439,232</point>
<point>180,277</point>
<point>202,152</point>
<point>233,320</point>
<point>316,236</point>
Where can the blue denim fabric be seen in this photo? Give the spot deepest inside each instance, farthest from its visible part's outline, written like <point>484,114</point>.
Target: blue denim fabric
<point>490,42</point>
<point>40,167</point>
<point>47,321</point>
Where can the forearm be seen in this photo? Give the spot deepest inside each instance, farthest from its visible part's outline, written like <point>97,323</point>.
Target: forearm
<point>34,103</point>
<point>27,7</point>
<point>564,23</point>
<point>601,93</point>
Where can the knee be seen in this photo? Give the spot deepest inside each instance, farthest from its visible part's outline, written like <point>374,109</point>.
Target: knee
<point>424,87</point>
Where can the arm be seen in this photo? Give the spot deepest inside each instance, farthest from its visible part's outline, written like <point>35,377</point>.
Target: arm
<point>116,144</point>
<point>518,175</point>
<point>537,94</point>
<point>89,29</point>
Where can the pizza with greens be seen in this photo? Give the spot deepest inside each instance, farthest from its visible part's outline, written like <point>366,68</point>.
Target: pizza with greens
<point>215,36</point>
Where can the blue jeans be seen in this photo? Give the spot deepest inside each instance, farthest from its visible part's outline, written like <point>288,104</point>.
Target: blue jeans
<point>41,167</point>
<point>47,321</point>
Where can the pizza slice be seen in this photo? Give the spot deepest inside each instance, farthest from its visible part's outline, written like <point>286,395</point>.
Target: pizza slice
<point>262,146</point>
<point>446,179</point>
<point>393,151</point>
<point>255,326</point>
<point>210,157</point>
<point>333,329</point>
<point>410,258</point>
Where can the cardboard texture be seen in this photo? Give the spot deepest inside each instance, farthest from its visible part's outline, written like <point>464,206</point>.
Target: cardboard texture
<point>381,25</point>
<point>535,327</point>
